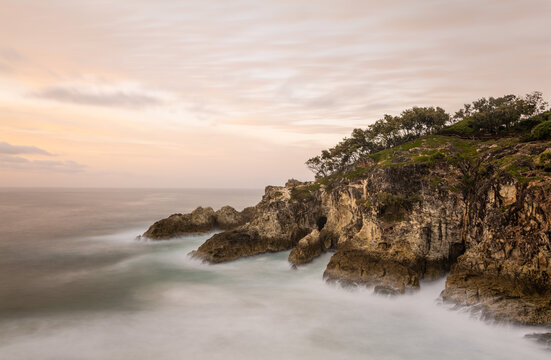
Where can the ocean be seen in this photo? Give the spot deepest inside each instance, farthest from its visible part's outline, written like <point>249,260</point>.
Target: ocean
<point>76,283</point>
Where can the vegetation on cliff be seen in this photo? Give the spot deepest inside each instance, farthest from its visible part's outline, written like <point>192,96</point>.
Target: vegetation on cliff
<point>509,115</point>
<point>471,198</point>
<point>411,198</point>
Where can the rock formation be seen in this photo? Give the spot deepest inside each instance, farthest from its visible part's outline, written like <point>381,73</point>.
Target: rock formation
<point>480,210</point>
<point>307,248</point>
<point>199,220</point>
<point>281,219</point>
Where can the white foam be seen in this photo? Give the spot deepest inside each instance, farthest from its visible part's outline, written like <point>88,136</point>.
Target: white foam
<point>258,308</point>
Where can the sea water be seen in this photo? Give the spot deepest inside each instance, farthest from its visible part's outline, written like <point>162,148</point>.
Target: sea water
<point>75,283</point>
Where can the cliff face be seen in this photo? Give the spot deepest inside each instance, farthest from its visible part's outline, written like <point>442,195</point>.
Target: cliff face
<point>478,210</point>
<point>394,228</point>
<point>507,266</point>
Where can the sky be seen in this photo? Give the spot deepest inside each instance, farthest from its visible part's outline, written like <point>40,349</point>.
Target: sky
<point>239,94</point>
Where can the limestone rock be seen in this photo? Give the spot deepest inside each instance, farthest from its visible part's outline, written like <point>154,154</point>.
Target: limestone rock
<point>228,218</point>
<point>199,220</point>
<point>203,218</point>
<point>292,183</point>
<point>172,226</point>
<point>278,223</point>
<point>394,224</point>
<point>248,214</point>
<point>238,243</point>
<point>308,248</point>
<point>351,266</point>
<point>507,269</point>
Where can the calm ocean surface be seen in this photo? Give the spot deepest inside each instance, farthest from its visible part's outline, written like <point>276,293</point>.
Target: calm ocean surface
<point>76,284</point>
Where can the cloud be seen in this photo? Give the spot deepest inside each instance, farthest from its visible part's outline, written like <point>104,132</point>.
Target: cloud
<point>280,71</point>
<point>10,54</point>
<point>19,163</point>
<point>9,149</point>
<point>10,158</point>
<point>9,57</point>
<point>114,96</point>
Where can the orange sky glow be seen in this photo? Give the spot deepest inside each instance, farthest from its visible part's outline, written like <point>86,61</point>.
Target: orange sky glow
<point>239,94</point>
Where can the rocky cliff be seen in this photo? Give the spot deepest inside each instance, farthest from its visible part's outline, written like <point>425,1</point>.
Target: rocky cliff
<point>478,210</point>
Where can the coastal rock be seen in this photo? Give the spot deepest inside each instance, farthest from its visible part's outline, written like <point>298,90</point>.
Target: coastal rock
<point>248,214</point>
<point>199,220</point>
<point>308,248</point>
<point>203,219</point>
<point>393,229</point>
<point>228,218</point>
<point>507,268</point>
<point>282,218</point>
<point>238,243</point>
<point>352,266</point>
<point>478,211</point>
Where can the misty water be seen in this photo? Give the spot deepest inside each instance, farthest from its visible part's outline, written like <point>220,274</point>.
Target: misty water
<point>75,283</point>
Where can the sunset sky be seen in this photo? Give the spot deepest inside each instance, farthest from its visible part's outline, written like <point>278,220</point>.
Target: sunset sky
<point>164,93</point>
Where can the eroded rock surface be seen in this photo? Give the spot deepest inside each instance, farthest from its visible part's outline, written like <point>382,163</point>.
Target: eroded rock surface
<point>307,248</point>
<point>507,267</point>
<point>228,218</point>
<point>198,221</point>
<point>280,220</point>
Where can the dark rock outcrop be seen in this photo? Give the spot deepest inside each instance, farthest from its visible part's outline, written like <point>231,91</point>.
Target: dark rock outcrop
<point>281,219</point>
<point>307,248</point>
<point>507,266</point>
<point>228,218</point>
<point>199,220</point>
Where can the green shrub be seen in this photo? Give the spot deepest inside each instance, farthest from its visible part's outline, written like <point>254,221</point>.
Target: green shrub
<point>465,127</point>
<point>545,161</point>
<point>357,173</point>
<point>530,123</point>
<point>301,193</point>
<point>362,202</point>
<point>542,131</point>
<point>438,156</point>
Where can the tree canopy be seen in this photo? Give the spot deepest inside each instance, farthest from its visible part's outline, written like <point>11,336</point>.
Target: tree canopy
<point>494,114</point>
<point>485,115</point>
<point>384,133</point>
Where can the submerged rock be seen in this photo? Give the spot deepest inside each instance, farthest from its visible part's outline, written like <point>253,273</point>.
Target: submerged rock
<point>542,338</point>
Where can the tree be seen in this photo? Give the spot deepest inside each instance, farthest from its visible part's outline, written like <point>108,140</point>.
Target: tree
<point>421,121</point>
<point>494,114</point>
<point>384,133</point>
